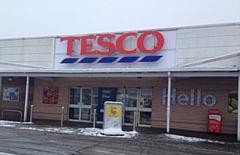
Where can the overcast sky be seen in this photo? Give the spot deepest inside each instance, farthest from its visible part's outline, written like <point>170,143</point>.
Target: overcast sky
<point>33,18</point>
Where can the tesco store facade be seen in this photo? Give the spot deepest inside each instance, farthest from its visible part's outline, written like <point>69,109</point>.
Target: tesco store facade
<point>170,77</point>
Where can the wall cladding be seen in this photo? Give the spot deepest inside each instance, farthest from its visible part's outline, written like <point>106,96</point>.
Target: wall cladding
<point>64,84</point>
<point>182,117</point>
<point>27,51</point>
<point>193,117</point>
<point>196,44</point>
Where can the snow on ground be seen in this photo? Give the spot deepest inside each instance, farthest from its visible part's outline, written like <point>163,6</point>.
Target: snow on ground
<point>95,132</point>
<point>8,123</point>
<point>68,130</point>
<point>192,139</point>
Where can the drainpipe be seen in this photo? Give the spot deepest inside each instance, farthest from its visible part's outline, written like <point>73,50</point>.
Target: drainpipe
<point>26,99</point>
<point>238,132</point>
<point>168,101</point>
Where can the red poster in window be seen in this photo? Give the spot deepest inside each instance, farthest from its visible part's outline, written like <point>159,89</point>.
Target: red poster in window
<point>50,95</point>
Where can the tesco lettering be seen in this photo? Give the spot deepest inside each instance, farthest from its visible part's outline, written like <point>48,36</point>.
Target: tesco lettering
<point>86,42</point>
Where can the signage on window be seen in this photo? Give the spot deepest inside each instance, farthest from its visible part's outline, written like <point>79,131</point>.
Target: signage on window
<point>10,94</point>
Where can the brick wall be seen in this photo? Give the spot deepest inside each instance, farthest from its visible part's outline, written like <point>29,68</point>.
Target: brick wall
<point>19,82</point>
<point>182,117</point>
<point>195,117</point>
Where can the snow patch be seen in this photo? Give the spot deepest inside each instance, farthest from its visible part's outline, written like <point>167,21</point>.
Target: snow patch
<point>83,131</point>
<point>3,153</point>
<point>8,122</point>
<point>112,132</point>
<point>192,139</point>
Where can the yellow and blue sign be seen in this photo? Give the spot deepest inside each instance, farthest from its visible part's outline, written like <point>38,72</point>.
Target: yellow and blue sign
<point>112,115</point>
<point>113,111</point>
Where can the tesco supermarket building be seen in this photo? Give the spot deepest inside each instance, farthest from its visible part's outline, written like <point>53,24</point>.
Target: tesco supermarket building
<point>170,77</point>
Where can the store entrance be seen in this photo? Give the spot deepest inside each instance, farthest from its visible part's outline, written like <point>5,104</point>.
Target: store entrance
<point>136,100</point>
<point>81,104</point>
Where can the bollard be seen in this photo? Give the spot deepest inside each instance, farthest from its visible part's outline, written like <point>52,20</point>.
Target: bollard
<point>62,116</point>
<point>94,116</point>
<point>31,113</point>
<point>134,121</point>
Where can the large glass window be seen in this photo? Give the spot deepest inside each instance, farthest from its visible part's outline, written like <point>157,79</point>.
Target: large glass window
<point>85,114</point>
<point>129,117</point>
<point>146,98</point>
<point>74,96</point>
<point>145,118</point>
<point>131,98</point>
<point>74,113</point>
<point>86,96</point>
<point>120,95</point>
<point>139,101</point>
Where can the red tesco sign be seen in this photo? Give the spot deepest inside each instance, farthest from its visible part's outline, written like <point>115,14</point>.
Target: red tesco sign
<point>85,42</point>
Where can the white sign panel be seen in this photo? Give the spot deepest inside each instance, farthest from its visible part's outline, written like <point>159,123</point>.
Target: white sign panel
<point>128,50</point>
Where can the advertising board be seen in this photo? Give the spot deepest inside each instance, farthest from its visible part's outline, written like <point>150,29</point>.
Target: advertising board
<point>127,50</point>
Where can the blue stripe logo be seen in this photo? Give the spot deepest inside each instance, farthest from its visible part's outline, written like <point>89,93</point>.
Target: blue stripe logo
<point>128,59</point>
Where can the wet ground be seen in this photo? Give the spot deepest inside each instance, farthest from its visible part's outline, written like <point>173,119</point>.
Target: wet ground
<point>14,140</point>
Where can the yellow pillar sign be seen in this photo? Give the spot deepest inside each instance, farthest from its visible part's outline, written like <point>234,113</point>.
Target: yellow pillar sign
<point>112,121</point>
<point>113,111</point>
<point>112,115</point>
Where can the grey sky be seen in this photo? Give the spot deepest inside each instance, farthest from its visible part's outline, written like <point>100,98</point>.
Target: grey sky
<point>32,18</point>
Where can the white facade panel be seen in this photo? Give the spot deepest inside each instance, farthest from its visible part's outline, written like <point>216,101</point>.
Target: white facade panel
<point>230,62</point>
<point>26,50</point>
<point>26,65</point>
<point>29,51</point>
<point>26,42</point>
<point>35,57</point>
<point>209,31</point>
<point>38,42</point>
<point>11,43</point>
<point>198,44</point>
<point>187,33</point>
<point>230,30</point>
<point>220,41</point>
<point>209,52</point>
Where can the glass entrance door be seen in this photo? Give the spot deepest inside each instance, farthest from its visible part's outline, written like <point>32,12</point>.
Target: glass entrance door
<point>136,100</point>
<point>86,104</point>
<point>131,105</point>
<point>80,104</point>
<point>145,103</point>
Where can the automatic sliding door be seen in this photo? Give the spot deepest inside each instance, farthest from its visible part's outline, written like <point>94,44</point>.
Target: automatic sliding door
<point>131,101</point>
<point>80,104</point>
<point>86,104</point>
<point>145,106</point>
<point>139,101</point>
<point>74,100</point>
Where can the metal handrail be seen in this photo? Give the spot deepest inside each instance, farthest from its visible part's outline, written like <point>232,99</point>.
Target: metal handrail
<point>18,111</point>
